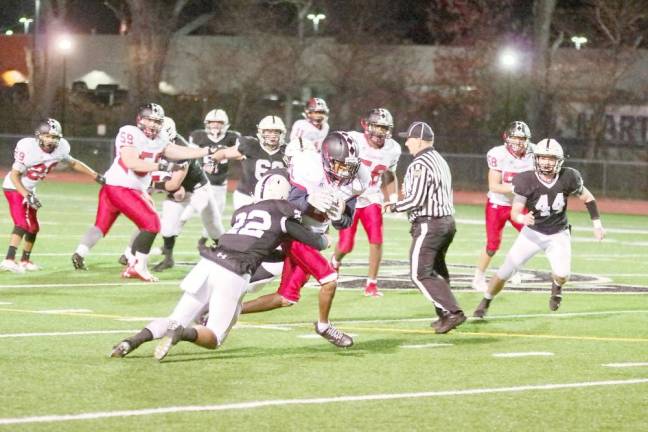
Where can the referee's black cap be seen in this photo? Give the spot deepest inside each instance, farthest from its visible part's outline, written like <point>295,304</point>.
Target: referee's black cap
<point>419,130</point>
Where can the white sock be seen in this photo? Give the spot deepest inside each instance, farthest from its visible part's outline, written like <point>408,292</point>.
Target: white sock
<point>488,296</point>
<point>141,260</point>
<point>334,261</point>
<point>370,281</point>
<point>82,250</point>
<point>321,327</point>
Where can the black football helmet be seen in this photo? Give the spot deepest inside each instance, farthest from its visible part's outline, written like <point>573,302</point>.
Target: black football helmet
<point>149,119</point>
<point>49,133</point>
<point>340,158</point>
<point>378,126</point>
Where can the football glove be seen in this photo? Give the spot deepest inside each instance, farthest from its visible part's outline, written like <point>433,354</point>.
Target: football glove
<point>31,201</point>
<point>336,211</point>
<point>321,200</point>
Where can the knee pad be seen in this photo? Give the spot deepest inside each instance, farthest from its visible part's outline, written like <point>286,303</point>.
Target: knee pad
<point>30,237</point>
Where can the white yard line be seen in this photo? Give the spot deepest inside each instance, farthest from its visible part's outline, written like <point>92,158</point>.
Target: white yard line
<point>523,354</point>
<point>72,333</point>
<point>430,345</point>
<point>625,365</point>
<point>90,284</point>
<point>313,401</point>
<point>64,311</point>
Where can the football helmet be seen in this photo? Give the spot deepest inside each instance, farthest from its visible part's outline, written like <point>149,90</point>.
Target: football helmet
<point>49,133</point>
<point>378,126</point>
<point>216,123</point>
<point>549,157</point>
<point>271,132</point>
<point>149,119</point>
<point>169,129</point>
<point>272,186</point>
<point>340,158</point>
<point>516,138</point>
<point>316,111</point>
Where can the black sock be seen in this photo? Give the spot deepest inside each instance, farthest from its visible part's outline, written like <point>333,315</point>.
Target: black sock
<point>169,242</point>
<point>556,290</point>
<point>144,335</point>
<point>11,253</point>
<point>143,242</point>
<point>189,334</point>
<point>26,255</point>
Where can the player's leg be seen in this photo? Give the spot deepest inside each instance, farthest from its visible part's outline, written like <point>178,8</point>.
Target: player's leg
<point>28,245</point>
<point>170,227</point>
<point>292,279</point>
<point>526,245</point>
<point>218,198</point>
<point>210,214</point>
<point>22,225</point>
<point>558,253</point>
<point>346,241</point>
<point>372,222</point>
<point>127,256</point>
<point>107,213</point>
<point>495,218</point>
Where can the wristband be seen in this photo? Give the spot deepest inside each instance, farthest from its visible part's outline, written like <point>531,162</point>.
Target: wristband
<point>519,218</point>
<point>597,224</point>
<point>592,209</point>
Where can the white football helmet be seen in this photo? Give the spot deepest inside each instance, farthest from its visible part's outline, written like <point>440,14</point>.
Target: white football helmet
<point>169,129</point>
<point>551,153</point>
<point>271,132</point>
<point>216,123</point>
<point>272,186</point>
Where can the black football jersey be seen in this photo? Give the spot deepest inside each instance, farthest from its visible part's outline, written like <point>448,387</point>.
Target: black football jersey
<point>216,171</point>
<point>195,176</point>
<point>548,201</point>
<point>257,162</point>
<point>257,230</point>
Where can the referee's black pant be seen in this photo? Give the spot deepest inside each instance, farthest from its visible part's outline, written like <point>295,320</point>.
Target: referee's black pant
<point>431,238</point>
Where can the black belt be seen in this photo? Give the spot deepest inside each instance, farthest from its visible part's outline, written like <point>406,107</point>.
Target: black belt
<point>428,218</point>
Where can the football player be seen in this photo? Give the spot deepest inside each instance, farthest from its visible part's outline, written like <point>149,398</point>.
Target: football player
<point>34,157</point>
<point>380,154</point>
<point>258,156</point>
<point>544,193</point>
<point>220,278</point>
<point>217,133</point>
<point>504,163</point>
<point>313,128</point>
<point>325,188</point>
<point>138,152</point>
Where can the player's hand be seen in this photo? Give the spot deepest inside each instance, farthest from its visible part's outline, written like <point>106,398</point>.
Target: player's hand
<point>321,200</point>
<point>179,195</point>
<point>388,207</point>
<point>599,231</point>
<point>99,178</point>
<point>31,201</point>
<point>337,210</point>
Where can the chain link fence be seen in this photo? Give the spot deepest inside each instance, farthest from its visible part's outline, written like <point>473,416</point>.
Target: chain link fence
<point>605,178</point>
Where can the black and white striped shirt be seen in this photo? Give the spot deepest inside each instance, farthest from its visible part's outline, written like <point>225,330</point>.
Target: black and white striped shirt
<point>428,187</point>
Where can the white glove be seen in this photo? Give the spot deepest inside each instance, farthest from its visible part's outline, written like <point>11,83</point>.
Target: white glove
<point>321,200</point>
<point>337,210</point>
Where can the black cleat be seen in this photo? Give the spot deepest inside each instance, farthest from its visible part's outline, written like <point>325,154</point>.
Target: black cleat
<point>449,322</point>
<point>170,338</point>
<point>335,336</point>
<point>121,349</point>
<point>166,263</point>
<point>482,309</point>
<point>556,297</point>
<point>78,262</point>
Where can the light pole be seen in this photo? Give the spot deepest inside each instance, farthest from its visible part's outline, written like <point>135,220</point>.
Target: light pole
<point>508,61</point>
<point>64,45</point>
<point>25,22</point>
<point>579,41</point>
<point>316,18</point>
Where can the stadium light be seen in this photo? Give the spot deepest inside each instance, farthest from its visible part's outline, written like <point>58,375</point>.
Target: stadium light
<point>25,22</point>
<point>509,59</point>
<point>64,44</point>
<point>316,18</point>
<point>579,41</point>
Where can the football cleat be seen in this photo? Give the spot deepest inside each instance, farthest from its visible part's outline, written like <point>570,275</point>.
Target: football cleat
<point>123,260</point>
<point>11,266</point>
<point>166,263</point>
<point>121,349</point>
<point>29,266</point>
<point>170,338</point>
<point>133,272</point>
<point>78,262</point>
<point>556,297</point>
<point>371,290</point>
<point>479,283</point>
<point>482,309</point>
<point>335,336</point>
<point>449,322</point>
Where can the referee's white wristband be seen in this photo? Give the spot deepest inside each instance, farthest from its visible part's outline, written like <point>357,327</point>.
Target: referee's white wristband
<point>519,218</point>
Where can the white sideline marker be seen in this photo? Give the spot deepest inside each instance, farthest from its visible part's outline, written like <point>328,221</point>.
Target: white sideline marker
<point>624,365</point>
<point>72,333</point>
<point>524,354</point>
<point>313,401</point>
<point>5,303</point>
<point>430,345</point>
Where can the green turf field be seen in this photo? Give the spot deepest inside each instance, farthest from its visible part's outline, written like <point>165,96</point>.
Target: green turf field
<point>583,368</point>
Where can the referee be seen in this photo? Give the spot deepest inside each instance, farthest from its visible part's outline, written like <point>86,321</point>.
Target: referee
<point>428,203</point>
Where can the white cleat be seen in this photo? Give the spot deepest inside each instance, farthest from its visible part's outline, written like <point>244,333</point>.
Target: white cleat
<point>516,279</point>
<point>29,266</point>
<point>479,284</point>
<point>11,266</point>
